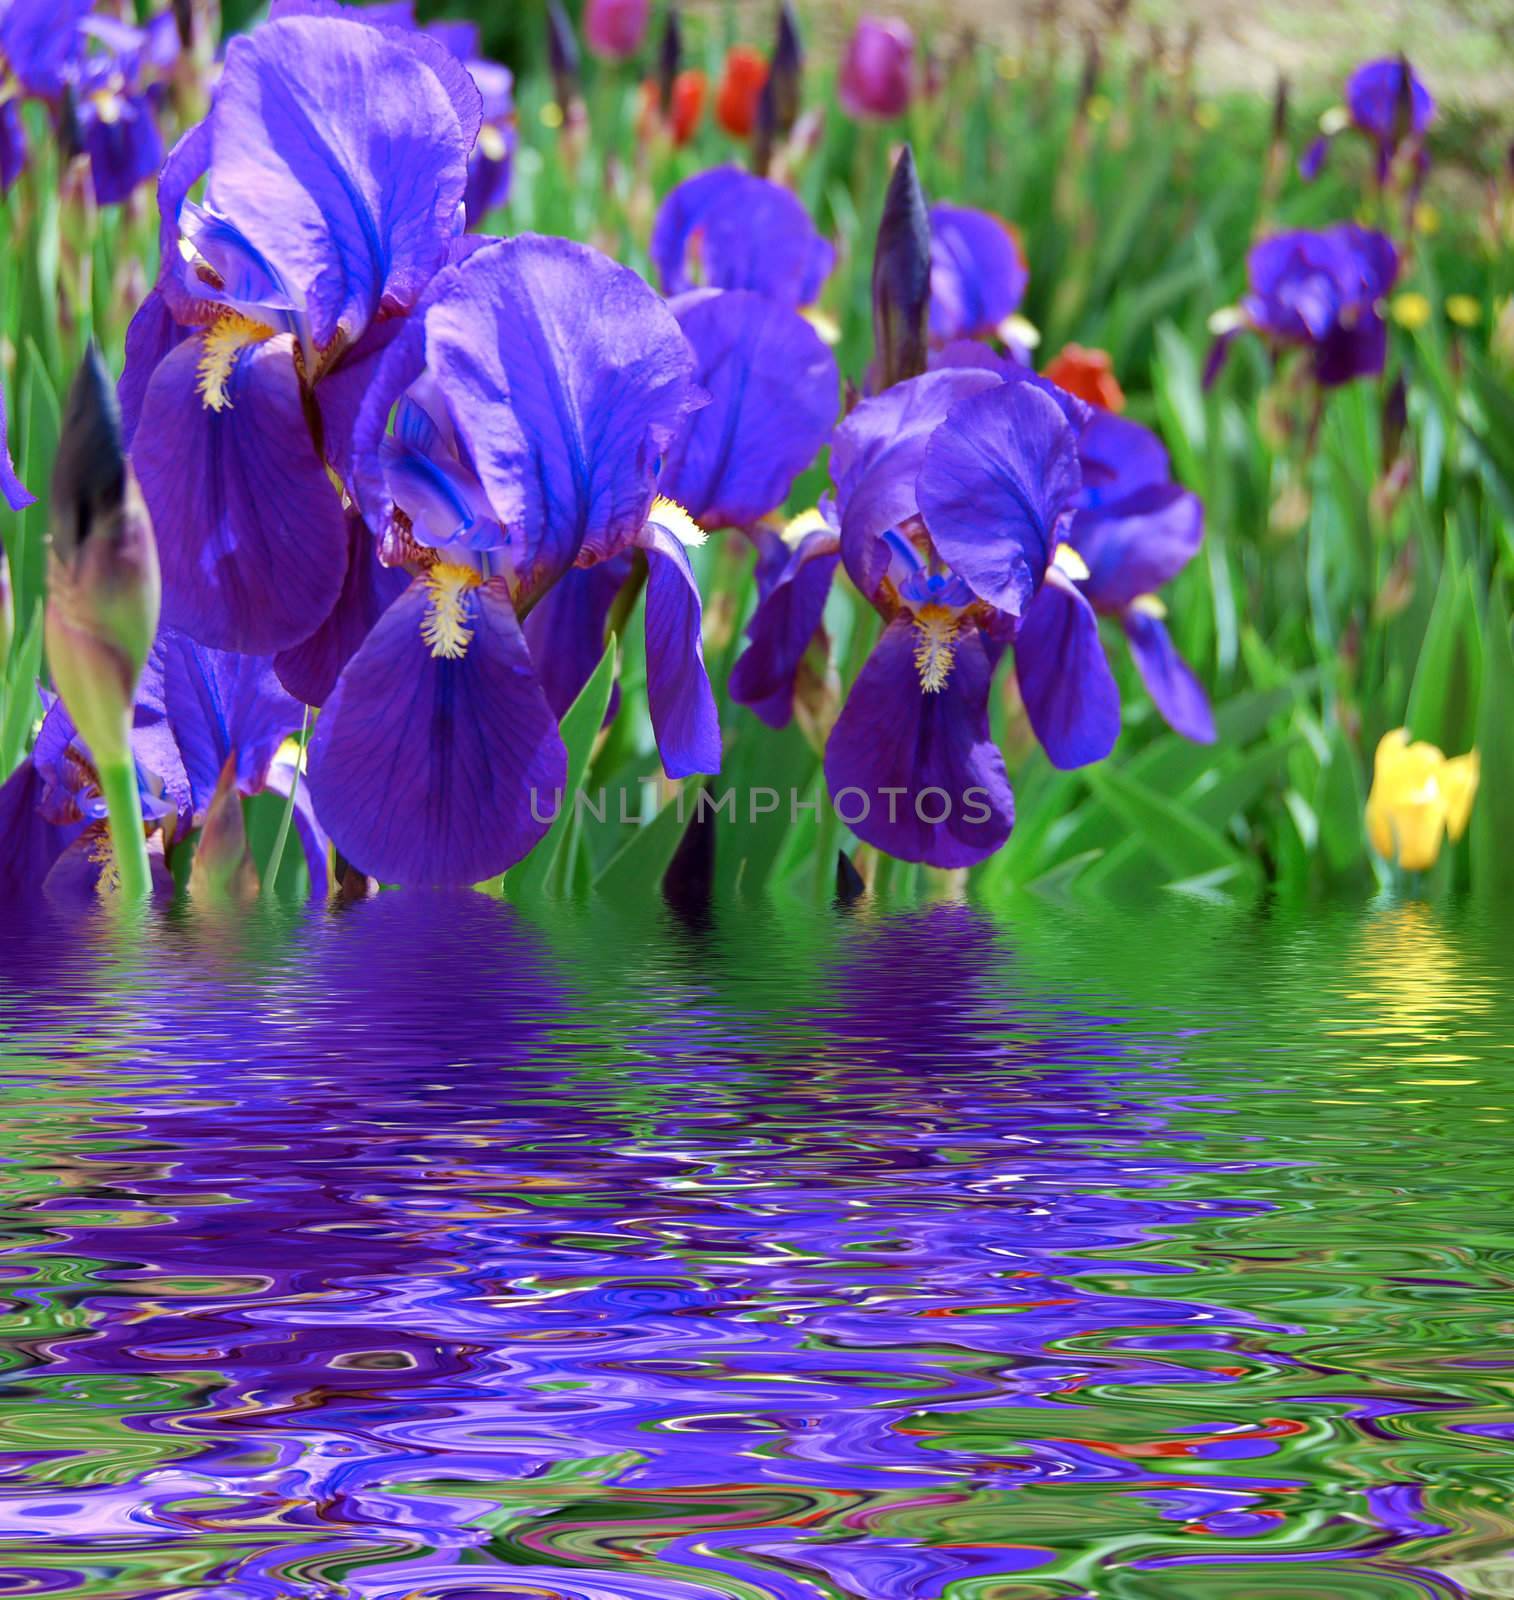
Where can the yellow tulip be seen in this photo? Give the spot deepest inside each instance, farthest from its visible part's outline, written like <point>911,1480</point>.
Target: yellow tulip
<point>1418,797</point>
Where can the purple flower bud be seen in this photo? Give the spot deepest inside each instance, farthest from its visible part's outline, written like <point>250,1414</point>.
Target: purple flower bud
<point>669,59</point>
<point>878,73</point>
<point>615,28</point>
<point>901,278</point>
<point>103,586</point>
<point>785,75</point>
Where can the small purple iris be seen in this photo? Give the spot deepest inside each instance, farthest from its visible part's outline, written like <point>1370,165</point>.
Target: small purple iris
<point>532,394</point>
<point>1386,101</point>
<point>101,79</point>
<point>1321,292</point>
<point>978,274</point>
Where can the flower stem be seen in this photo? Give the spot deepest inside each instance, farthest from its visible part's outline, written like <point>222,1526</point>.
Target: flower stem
<point>129,843</point>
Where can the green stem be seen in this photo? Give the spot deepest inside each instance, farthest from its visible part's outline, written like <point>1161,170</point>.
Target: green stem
<point>128,841</point>
<point>281,838</point>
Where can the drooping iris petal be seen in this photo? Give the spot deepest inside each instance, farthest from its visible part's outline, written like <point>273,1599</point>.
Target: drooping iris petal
<point>309,670</point>
<point>566,628</point>
<point>876,458</point>
<point>1356,351</point>
<point>996,480</point>
<point>1069,692</point>
<point>39,39</point>
<point>728,229</point>
<point>977,273</point>
<point>423,768</point>
<point>774,390</point>
<point>953,805</point>
<point>1137,545</point>
<point>679,697</point>
<point>76,879</point>
<point>32,843</point>
<point>1169,680</point>
<point>250,531</point>
<point>17,495</point>
<point>220,704</point>
<point>567,378</point>
<point>788,613</point>
<point>340,154</point>
<point>490,166</point>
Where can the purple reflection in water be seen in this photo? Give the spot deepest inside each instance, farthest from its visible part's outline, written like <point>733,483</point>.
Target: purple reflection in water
<point>425,1252</point>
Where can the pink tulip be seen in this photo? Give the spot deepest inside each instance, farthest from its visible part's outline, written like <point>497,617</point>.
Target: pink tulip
<point>615,28</point>
<point>878,73</point>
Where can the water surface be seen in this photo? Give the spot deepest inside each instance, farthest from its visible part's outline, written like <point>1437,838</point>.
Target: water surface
<point>427,1250</point>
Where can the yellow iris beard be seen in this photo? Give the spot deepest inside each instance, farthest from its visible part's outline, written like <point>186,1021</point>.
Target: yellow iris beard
<point>935,646</point>
<point>220,345</point>
<point>448,626</point>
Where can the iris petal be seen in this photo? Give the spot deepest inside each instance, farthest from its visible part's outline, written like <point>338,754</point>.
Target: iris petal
<point>1169,679</point>
<point>977,273</point>
<point>339,152</point>
<point>773,389</point>
<point>250,531</point>
<point>567,378</point>
<point>782,626</point>
<point>1137,545</point>
<point>423,768</point>
<point>892,735</point>
<point>994,484</point>
<point>1069,692</point>
<point>678,687</point>
<point>876,461</point>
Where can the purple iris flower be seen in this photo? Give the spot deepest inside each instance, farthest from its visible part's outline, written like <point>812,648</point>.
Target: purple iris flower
<point>115,107</point>
<point>335,157</point>
<point>532,394</point>
<point>1320,292</point>
<point>196,710</point>
<point>964,499</point>
<point>978,274</point>
<point>1386,101</point>
<point>727,229</point>
<point>108,71</point>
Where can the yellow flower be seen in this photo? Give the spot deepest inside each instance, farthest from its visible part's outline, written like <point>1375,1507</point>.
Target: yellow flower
<point>1418,796</point>
<point>1099,108</point>
<point>1207,116</point>
<point>1426,218</point>
<point>1464,309</point>
<point>1411,309</point>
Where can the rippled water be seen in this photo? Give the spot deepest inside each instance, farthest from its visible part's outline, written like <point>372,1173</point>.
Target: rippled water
<point>426,1251</point>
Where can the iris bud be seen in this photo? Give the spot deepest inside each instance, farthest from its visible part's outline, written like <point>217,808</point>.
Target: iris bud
<point>103,585</point>
<point>669,60</point>
<point>785,75</point>
<point>901,278</point>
